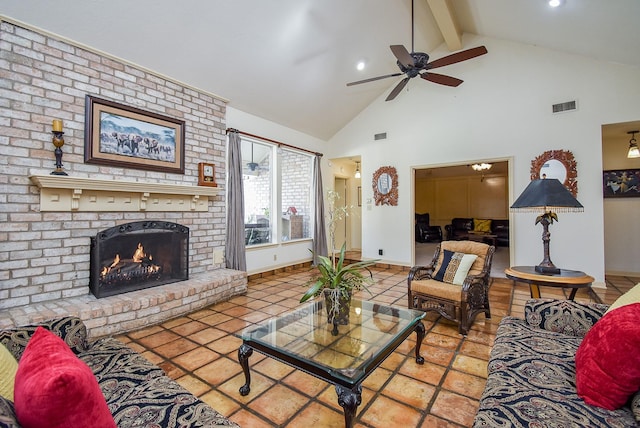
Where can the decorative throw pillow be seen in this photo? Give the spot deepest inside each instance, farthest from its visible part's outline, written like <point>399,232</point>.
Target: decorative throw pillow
<point>631,296</point>
<point>608,361</point>
<point>54,388</point>
<point>455,267</point>
<point>480,225</point>
<point>8,368</point>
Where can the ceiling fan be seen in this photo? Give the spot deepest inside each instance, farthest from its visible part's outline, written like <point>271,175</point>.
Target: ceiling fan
<point>254,168</point>
<point>417,64</point>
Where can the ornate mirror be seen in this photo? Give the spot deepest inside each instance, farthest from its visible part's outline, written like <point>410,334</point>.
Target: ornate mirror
<point>558,164</point>
<point>385,186</point>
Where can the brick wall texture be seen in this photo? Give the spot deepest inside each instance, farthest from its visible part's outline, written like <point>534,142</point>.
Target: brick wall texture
<point>45,255</point>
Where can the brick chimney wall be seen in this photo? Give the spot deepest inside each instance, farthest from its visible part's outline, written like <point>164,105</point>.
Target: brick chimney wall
<point>44,256</point>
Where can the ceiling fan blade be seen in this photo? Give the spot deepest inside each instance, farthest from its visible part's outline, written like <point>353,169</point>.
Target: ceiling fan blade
<point>374,79</point>
<point>441,79</point>
<point>402,54</point>
<point>457,57</point>
<point>399,87</point>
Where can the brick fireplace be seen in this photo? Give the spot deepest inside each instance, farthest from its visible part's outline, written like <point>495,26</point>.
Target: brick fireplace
<point>49,220</point>
<point>138,255</point>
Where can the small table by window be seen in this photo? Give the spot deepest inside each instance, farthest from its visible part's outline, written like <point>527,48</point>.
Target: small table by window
<point>573,279</point>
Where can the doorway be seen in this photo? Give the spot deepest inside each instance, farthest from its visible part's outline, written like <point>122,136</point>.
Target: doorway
<point>620,213</point>
<point>460,191</point>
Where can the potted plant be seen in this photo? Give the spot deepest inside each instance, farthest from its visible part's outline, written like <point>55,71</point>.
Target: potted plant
<point>334,278</point>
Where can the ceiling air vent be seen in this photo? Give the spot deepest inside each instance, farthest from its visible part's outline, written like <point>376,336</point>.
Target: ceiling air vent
<point>566,106</point>
<point>381,136</point>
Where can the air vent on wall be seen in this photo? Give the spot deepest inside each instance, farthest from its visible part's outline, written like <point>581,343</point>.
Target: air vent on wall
<point>381,136</point>
<point>566,106</point>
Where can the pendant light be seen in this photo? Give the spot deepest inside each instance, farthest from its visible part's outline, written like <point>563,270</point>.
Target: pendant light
<point>357,175</point>
<point>633,146</point>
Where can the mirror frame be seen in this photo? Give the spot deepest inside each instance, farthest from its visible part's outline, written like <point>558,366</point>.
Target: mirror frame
<point>565,157</point>
<point>390,198</point>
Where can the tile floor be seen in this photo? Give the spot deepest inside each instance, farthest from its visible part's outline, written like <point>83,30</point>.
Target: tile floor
<point>200,351</point>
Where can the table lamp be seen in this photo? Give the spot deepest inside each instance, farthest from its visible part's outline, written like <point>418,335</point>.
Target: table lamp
<point>546,195</point>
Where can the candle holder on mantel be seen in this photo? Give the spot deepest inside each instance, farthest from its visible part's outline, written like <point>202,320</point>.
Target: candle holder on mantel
<point>58,142</point>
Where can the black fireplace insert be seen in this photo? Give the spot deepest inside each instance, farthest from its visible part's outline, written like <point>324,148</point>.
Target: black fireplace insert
<point>138,255</point>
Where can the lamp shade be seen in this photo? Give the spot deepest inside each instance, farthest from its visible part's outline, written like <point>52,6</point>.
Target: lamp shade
<point>546,194</point>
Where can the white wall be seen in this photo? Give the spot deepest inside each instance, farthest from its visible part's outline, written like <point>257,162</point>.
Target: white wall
<point>268,257</point>
<point>502,110</point>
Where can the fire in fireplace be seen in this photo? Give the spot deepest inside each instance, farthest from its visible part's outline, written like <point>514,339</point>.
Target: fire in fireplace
<point>138,255</point>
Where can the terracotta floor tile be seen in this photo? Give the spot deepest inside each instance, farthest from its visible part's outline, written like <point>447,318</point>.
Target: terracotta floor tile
<point>259,384</point>
<point>475,349</point>
<point>207,335</point>
<point>431,421</point>
<point>385,412</point>
<point>454,407</point>
<point>193,385</point>
<point>427,372</point>
<point>221,402</point>
<point>173,371</point>
<point>175,348</point>
<point>272,368</point>
<point>249,420</point>
<point>377,379</point>
<point>409,391</point>
<point>464,384</point>
<point>158,339</point>
<point>214,319</point>
<point>318,416</point>
<point>218,371</point>
<point>147,331</point>
<point>196,358</point>
<point>471,365</point>
<point>233,325</point>
<point>279,403</point>
<point>226,344</point>
<point>189,328</point>
<point>306,384</point>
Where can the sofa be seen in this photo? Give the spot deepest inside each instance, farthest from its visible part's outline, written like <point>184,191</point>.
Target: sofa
<point>532,371</point>
<point>424,232</point>
<point>137,393</point>
<point>460,227</point>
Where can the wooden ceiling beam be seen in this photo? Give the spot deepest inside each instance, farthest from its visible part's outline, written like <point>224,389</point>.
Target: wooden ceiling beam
<point>443,14</point>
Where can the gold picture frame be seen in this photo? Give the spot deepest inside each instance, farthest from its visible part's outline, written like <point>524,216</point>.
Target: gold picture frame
<point>125,136</point>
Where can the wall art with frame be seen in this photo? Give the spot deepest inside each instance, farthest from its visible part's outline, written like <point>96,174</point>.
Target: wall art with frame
<point>621,183</point>
<point>120,135</point>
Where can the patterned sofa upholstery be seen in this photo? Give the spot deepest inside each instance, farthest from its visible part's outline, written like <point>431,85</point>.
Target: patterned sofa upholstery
<point>139,394</point>
<point>531,374</point>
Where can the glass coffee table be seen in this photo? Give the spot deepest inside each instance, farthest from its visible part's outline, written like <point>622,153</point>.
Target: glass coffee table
<point>343,355</point>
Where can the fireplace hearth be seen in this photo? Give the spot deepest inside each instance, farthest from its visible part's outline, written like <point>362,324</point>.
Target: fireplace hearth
<point>138,255</point>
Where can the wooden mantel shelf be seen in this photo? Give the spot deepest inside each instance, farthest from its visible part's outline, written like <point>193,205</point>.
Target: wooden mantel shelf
<point>65,193</point>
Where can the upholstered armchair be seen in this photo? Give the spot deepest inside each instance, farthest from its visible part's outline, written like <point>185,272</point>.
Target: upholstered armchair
<point>455,284</point>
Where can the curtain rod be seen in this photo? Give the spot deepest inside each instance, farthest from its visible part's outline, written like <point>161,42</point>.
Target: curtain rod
<point>272,141</point>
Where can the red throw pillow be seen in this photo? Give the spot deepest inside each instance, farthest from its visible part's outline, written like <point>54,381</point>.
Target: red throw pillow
<point>55,389</point>
<point>608,361</point>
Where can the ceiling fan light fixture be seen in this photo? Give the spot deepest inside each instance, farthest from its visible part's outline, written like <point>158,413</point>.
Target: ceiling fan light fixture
<point>555,3</point>
<point>357,174</point>
<point>361,65</point>
<point>633,146</point>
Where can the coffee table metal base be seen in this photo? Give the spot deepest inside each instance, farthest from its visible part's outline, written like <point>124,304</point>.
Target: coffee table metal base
<point>348,398</point>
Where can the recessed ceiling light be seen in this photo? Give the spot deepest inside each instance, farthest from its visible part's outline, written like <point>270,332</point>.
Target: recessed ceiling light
<point>555,3</point>
<point>360,65</point>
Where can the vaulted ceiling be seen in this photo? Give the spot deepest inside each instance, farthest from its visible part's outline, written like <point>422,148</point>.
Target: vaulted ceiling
<point>288,61</point>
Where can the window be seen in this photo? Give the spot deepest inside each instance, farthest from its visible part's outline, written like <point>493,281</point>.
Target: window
<point>275,213</point>
<point>257,180</point>
<point>295,194</point>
